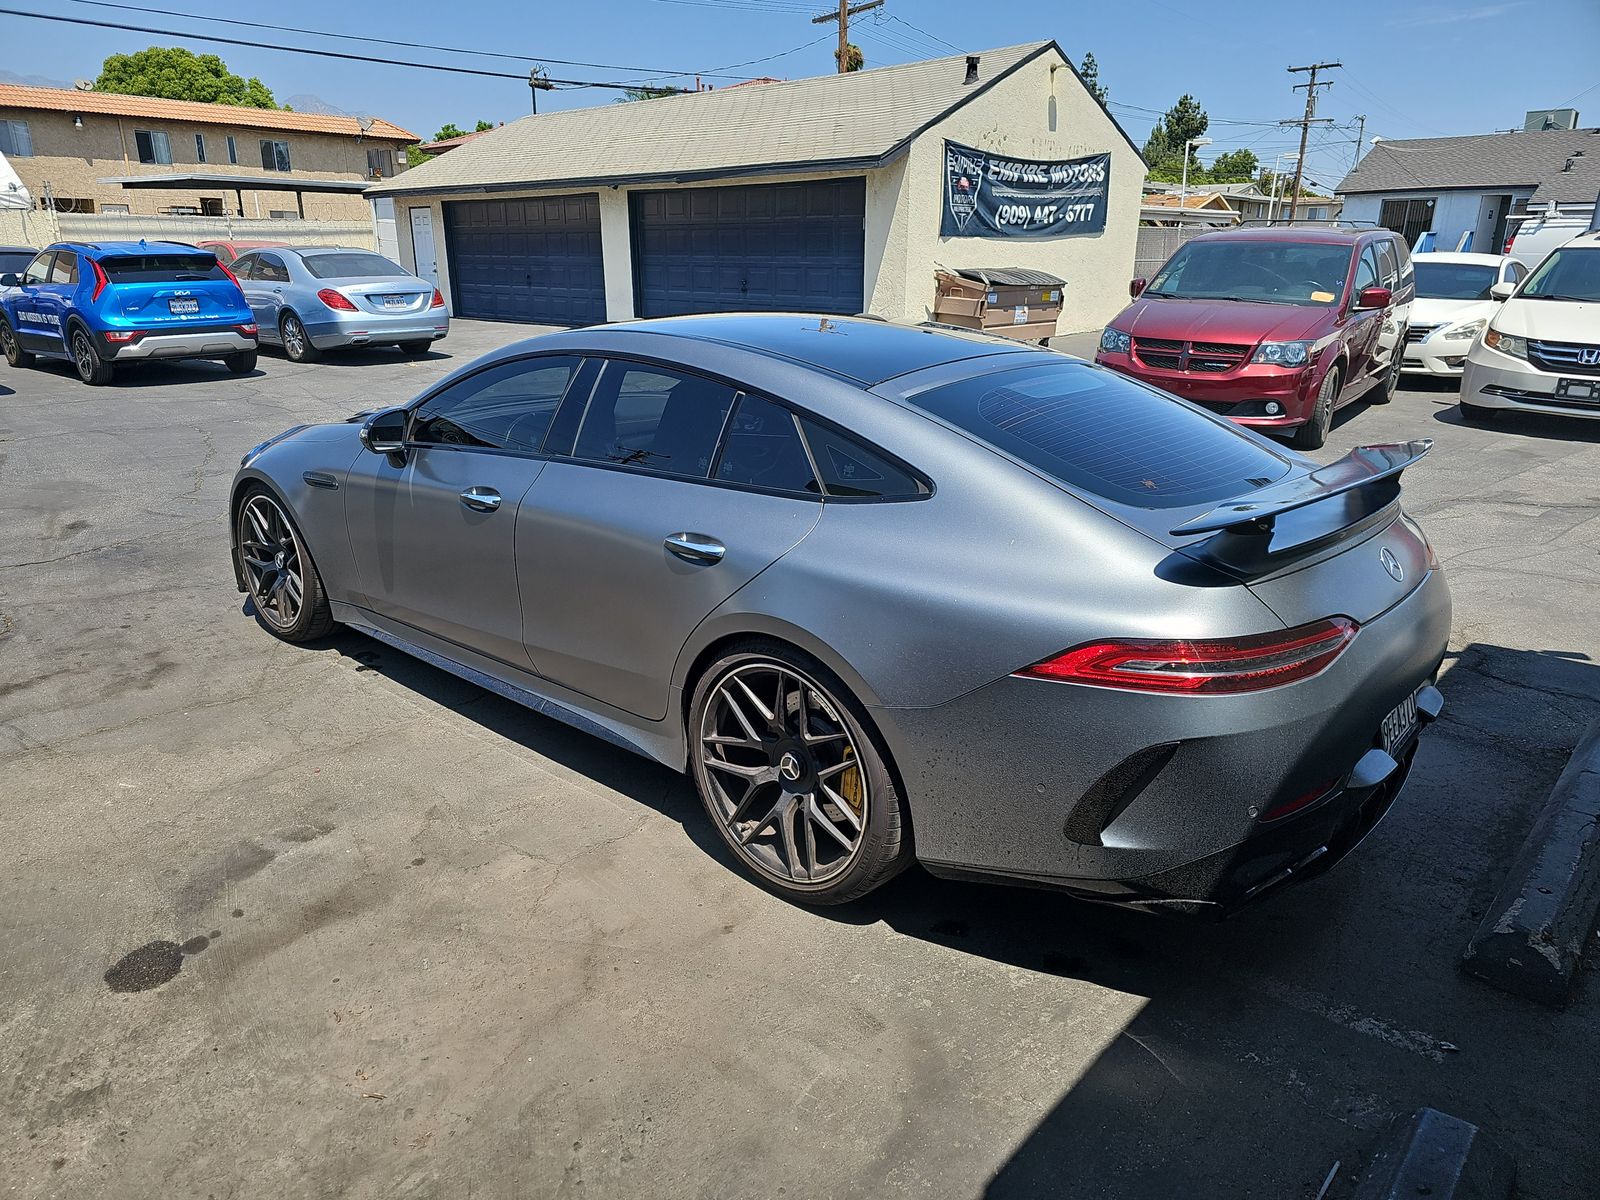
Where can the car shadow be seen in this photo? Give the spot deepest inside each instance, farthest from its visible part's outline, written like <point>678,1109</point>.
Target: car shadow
<point>360,356</point>
<point>1528,424</point>
<point>153,374</point>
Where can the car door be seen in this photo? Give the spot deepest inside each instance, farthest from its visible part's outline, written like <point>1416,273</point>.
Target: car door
<point>269,276</point>
<point>32,332</point>
<point>433,530</point>
<point>244,268</point>
<point>1363,325</point>
<point>1389,343</point>
<point>656,515</point>
<point>52,300</point>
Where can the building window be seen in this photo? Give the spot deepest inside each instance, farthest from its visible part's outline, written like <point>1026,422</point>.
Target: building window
<point>380,164</point>
<point>1317,213</point>
<point>275,155</point>
<point>233,151</point>
<point>15,139</point>
<point>119,210</point>
<point>153,146</point>
<point>1409,218</point>
<point>210,206</point>
<point>284,214</point>
<point>67,204</point>
<point>200,147</point>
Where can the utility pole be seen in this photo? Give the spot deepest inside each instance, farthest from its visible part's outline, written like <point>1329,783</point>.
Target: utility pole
<point>1305,123</point>
<point>846,11</point>
<point>538,81</point>
<point>1361,137</point>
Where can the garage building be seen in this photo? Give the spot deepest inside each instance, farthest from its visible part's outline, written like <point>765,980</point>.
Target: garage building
<point>819,195</point>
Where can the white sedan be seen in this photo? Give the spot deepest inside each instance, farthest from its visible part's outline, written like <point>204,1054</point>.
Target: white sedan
<point>1452,308</point>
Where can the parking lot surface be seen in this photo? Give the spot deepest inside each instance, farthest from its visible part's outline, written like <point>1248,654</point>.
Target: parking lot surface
<point>315,922</point>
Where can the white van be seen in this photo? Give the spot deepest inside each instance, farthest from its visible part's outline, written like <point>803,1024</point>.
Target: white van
<point>1539,233</point>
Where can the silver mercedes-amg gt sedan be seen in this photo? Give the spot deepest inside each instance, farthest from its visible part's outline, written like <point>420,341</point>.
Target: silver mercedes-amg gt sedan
<point>889,593</point>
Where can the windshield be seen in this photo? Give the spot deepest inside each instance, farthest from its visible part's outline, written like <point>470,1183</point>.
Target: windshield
<point>1568,274</point>
<point>1111,437</point>
<point>356,264</point>
<point>161,268</point>
<point>14,262</point>
<point>1454,281</point>
<point>1310,273</point>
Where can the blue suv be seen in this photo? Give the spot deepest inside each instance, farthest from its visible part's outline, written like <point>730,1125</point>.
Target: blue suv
<point>99,305</point>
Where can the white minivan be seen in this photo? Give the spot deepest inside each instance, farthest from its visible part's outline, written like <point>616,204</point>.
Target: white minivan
<point>1541,349</point>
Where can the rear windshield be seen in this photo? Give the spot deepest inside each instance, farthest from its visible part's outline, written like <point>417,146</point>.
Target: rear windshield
<point>1455,281</point>
<point>14,262</point>
<point>1309,273</point>
<point>161,268</point>
<point>1107,435</point>
<point>1568,274</point>
<point>354,265</point>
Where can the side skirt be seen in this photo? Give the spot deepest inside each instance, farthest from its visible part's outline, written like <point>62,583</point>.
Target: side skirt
<point>655,741</point>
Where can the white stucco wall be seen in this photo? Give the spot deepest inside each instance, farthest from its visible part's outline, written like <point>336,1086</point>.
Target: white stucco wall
<point>1039,114</point>
<point>1454,213</point>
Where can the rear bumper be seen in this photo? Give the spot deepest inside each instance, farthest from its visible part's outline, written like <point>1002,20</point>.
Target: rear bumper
<point>1495,380</point>
<point>212,341</point>
<point>1156,802</point>
<point>1241,396</point>
<point>375,329</point>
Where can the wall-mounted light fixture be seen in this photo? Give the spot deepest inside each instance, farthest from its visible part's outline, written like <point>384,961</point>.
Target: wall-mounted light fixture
<point>77,121</point>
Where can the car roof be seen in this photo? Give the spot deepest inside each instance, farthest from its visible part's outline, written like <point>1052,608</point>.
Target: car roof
<point>1291,233</point>
<point>1451,256</point>
<point>141,247</point>
<point>862,349</point>
<point>18,249</point>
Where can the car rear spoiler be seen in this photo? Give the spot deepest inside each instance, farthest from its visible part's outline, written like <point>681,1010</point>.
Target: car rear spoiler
<point>1253,535</point>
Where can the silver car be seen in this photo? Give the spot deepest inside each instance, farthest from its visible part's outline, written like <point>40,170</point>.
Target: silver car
<point>889,593</point>
<point>308,300</point>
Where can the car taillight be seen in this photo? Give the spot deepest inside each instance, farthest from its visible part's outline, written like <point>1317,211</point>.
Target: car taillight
<point>438,300</point>
<point>223,268</point>
<point>100,280</point>
<point>1202,667</point>
<point>335,299</point>
<point>249,327</point>
<point>1300,803</point>
<point>1510,240</point>
<point>120,337</point>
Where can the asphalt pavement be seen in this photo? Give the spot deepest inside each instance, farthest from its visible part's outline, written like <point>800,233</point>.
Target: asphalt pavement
<point>315,922</point>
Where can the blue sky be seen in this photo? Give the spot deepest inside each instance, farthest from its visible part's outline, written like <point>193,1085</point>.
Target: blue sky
<point>1414,69</point>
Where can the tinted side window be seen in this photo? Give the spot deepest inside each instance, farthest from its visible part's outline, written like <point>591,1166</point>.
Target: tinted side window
<point>506,407</point>
<point>852,469</point>
<point>38,270</point>
<point>1388,265</point>
<point>270,269</point>
<point>654,418</point>
<point>1515,272</point>
<point>1111,437</point>
<point>763,449</point>
<point>66,268</point>
<point>1366,272</point>
<point>244,265</point>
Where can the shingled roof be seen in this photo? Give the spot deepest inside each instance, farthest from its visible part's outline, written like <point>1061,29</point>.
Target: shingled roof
<point>13,95</point>
<point>853,121</point>
<point>1493,160</point>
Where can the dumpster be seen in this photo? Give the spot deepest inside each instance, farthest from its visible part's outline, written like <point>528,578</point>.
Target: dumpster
<point>1014,302</point>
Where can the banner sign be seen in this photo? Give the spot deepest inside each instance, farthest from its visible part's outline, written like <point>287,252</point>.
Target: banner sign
<point>986,195</point>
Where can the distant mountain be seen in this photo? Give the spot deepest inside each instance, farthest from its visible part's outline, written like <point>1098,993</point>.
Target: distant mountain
<point>34,80</point>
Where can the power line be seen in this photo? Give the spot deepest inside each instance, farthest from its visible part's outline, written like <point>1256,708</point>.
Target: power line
<point>846,11</point>
<point>1306,122</point>
<point>933,37</point>
<point>350,37</point>
<point>387,62</point>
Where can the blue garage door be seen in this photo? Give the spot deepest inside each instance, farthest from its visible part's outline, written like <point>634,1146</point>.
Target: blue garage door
<point>797,247</point>
<point>527,260</point>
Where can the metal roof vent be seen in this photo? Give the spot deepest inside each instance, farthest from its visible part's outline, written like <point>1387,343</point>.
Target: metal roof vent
<point>972,69</point>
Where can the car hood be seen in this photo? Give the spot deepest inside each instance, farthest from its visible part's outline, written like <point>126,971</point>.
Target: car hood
<point>1425,311</point>
<point>1223,321</point>
<point>1554,320</point>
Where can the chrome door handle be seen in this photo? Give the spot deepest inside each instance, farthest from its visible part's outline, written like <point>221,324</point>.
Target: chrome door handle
<point>696,547</point>
<point>481,499</point>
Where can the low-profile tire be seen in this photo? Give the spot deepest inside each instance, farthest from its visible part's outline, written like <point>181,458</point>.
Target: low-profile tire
<point>1314,432</point>
<point>285,589</point>
<point>1477,413</point>
<point>296,341</point>
<point>86,360</point>
<point>241,363</point>
<point>11,344</point>
<point>1385,391</point>
<point>793,778</point>
<point>416,349</point>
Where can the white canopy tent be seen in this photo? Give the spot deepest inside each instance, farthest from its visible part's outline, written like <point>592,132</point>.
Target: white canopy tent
<point>12,193</point>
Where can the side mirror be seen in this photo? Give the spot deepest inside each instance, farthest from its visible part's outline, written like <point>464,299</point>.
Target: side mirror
<point>9,279</point>
<point>1502,291</point>
<point>385,432</point>
<point>1374,297</point>
<point>1137,286</point>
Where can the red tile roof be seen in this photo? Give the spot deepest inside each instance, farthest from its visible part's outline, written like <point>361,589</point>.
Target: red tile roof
<point>14,95</point>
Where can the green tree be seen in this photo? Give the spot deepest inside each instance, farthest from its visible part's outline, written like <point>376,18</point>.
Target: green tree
<point>1164,148</point>
<point>1090,73</point>
<point>854,60</point>
<point>1236,166</point>
<point>174,73</point>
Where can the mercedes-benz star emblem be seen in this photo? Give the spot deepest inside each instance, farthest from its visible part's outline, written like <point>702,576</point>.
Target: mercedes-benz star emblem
<point>1392,565</point>
<point>789,766</point>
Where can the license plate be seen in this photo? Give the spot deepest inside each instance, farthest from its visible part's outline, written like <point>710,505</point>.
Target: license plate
<point>1399,725</point>
<point>395,301</point>
<point>1578,389</point>
<point>182,308</point>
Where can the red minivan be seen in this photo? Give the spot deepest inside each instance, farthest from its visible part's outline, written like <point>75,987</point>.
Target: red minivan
<point>1273,327</point>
